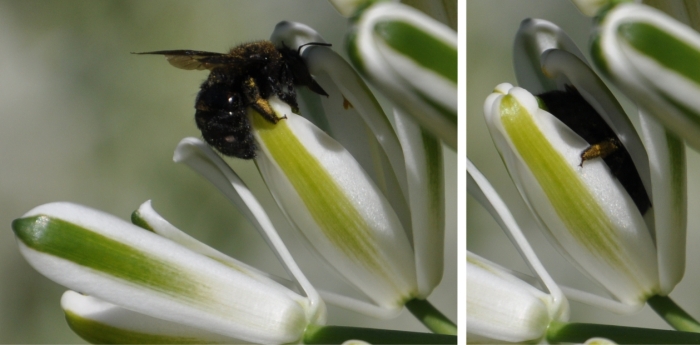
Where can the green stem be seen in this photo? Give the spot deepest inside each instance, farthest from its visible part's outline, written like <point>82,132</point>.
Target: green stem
<point>673,314</point>
<point>431,317</point>
<point>560,332</point>
<point>339,334</point>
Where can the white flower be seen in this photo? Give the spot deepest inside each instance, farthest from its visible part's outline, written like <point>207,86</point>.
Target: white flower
<point>412,59</point>
<point>160,282</point>
<point>652,58</point>
<point>598,223</point>
<point>357,207</point>
<point>501,307</point>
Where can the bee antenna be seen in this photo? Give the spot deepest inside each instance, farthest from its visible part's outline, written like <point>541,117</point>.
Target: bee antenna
<point>312,44</point>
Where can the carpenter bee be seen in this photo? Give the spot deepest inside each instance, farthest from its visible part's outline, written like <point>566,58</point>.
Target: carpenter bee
<point>244,77</point>
<point>573,110</point>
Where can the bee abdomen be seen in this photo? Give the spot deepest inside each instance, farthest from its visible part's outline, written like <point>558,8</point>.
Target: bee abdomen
<point>227,132</point>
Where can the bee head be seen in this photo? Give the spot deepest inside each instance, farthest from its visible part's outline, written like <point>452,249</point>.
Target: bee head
<point>298,67</point>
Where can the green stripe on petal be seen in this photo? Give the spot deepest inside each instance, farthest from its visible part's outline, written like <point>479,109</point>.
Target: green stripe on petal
<point>99,333</point>
<point>433,245</point>
<point>354,53</point>
<point>664,48</point>
<point>689,113</point>
<point>448,114</point>
<point>325,200</point>
<point>106,257</point>
<point>79,245</point>
<point>676,149</point>
<point>434,165</point>
<point>598,56</point>
<point>424,49</point>
<point>101,322</point>
<point>571,199</point>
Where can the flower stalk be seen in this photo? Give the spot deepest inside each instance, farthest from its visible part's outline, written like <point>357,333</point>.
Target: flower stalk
<point>340,334</point>
<point>431,317</point>
<point>581,332</point>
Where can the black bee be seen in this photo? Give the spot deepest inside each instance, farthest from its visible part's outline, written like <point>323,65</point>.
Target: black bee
<point>573,110</point>
<point>244,77</point>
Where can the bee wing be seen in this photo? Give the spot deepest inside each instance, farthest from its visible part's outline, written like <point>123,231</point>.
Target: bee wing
<point>192,59</point>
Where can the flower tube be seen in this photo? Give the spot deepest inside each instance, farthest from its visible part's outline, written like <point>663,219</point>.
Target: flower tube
<point>102,256</point>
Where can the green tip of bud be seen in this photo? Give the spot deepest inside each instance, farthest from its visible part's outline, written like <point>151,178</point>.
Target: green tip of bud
<point>137,220</point>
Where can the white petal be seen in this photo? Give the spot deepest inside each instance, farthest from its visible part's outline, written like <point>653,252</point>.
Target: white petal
<point>357,121</point>
<point>103,256</point>
<point>670,199</point>
<point>350,114</point>
<point>424,162</point>
<point>534,37</point>
<point>325,193</point>
<point>482,190</point>
<point>501,307</point>
<point>148,218</point>
<point>101,322</point>
<point>202,159</point>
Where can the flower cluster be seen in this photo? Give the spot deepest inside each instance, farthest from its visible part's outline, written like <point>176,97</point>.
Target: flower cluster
<point>370,203</point>
<point>609,195</point>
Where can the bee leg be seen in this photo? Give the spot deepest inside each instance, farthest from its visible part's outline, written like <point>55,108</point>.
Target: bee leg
<point>261,105</point>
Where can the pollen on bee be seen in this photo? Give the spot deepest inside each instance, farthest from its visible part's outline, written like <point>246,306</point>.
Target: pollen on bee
<point>601,149</point>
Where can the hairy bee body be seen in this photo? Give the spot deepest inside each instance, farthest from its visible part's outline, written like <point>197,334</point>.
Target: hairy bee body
<point>242,79</point>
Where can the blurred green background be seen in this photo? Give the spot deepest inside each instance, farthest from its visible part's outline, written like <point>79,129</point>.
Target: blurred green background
<point>87,122</point>
<point>491,28</point>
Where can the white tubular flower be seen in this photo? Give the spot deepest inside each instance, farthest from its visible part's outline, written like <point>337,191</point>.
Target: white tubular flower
<point>147,288</point>
<point>501,307</point>
<point>586,210</point>
<point>626,219</point>
<point>402,190</point>
<point>327,195</point>
<point>653,58</point>
<point>412,59</point>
